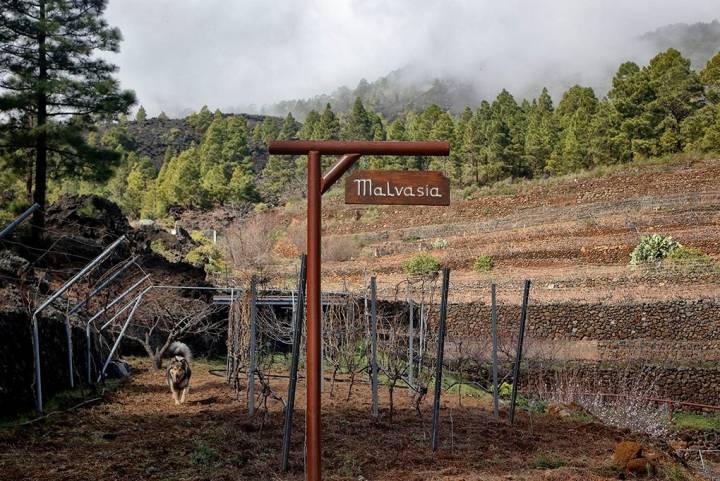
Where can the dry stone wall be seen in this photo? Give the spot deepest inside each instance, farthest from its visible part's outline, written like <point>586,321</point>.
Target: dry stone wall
<point>677,329</point>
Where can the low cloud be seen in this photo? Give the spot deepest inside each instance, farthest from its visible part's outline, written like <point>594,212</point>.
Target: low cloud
<point>182,54</point>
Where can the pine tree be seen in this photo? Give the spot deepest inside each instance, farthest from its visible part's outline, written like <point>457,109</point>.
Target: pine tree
<point>669,141</point>
<point>307,131</point>
<point>140,178</point>
<point>710,78</point>
<point>396,131</point>
<point>214,185</point>
<point>377,126</point>
<point>542,133</point>
<point>141,115</point>
<point>242,187</point>
<point>475,145</point>
<point>270,129</point>
<point>163,115</point>
<point>279,176</point>
<point>694,127</point>
<point>289,128</point>
<point>609,144</point>
<point>357,125</point>
<point>50,71</point>
<point>506,138</point>
<point>186,179</point>
<point>442,129</point>
<point>201,120</point>
<point>677,95</point>
<point>575,146</point>
<point>211,146</point>
<point>456,157</point>
<point>574,115</point>
<point>711,140</point>
<point>328,128</point>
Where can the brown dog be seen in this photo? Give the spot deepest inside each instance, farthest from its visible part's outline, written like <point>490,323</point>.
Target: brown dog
<point>178,372</point>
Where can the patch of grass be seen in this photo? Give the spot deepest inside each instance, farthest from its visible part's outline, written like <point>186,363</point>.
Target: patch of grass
<point>582,416</point>
<point>483,263</point>
<point>689,259</point>
<point>158,247</point>
<point>675,473</point>
<point>686,420</point>
<point>204,455</point>
<point>548,461</point>
<point>467,389</point>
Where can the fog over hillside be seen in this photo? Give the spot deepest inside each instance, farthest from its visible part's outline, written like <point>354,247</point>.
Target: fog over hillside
<point>256,56</point>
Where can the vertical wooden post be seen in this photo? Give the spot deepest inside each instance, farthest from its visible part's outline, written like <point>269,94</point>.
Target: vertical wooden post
<point>493,320</point>
<point>518,351</point>
<point>314,342</point>
<point>252,347</point>
<point>373,341</point>
<point>297,336</point>
<point>439,357</point>
<point>316,186</point>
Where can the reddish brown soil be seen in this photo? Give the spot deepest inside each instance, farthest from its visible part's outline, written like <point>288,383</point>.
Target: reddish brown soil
<point>577,231</point>
<point>138,434</point>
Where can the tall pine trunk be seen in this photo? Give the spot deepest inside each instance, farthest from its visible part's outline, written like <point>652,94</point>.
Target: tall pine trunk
<point>39,196</point>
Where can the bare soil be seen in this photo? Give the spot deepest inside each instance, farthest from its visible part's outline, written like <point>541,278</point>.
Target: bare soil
<point>139,434</point>
<point>574,233</point>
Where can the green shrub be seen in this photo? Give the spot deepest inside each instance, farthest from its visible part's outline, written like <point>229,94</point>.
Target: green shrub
<point>505,390</point>
<point>205,455</point>
<point>421,265</point>
<point>207,254</point>
<point>653,248</point>
<point>483,263</point>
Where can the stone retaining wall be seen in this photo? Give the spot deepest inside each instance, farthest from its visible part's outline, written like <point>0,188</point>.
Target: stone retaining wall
<point>691,383</point>
<point>678,320</point>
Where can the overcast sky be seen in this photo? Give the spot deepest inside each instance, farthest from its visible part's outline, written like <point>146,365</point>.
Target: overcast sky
<point>182,54</point>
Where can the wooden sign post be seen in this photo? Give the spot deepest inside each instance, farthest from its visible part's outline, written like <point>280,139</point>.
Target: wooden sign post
<point>397,188</point>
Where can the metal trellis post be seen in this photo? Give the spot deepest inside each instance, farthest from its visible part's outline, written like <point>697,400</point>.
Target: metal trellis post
<point>252,347</point>
<point>373,341</point>
<point>119,338</point>
<point>518,352</point>
<point>55,295</point>
<point>439,357</point>
<point>292,383</point>
<point>18,220</point>
<point>493,320</point>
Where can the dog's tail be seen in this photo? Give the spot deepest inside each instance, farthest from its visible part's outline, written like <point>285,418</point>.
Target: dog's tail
<point>178,348</point>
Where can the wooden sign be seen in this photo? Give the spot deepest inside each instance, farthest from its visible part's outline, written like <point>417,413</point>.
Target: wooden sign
<point>397,187</point>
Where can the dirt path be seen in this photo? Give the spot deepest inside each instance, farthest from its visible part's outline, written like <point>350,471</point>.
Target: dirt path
<point>138,434</point>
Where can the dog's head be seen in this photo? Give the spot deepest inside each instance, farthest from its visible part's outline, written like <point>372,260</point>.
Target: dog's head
<point>177,369</point>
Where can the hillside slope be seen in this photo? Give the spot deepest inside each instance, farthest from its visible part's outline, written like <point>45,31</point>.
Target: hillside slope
<point>571,235</point>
